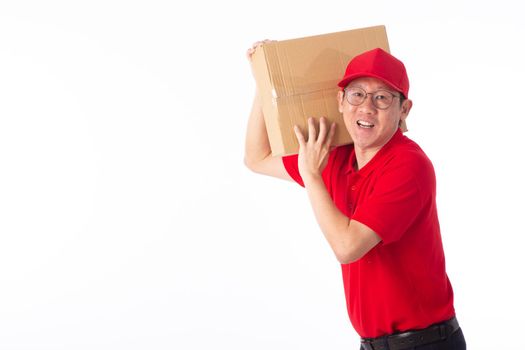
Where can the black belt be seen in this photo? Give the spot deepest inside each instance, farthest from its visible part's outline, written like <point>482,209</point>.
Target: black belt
<point>399,341</point>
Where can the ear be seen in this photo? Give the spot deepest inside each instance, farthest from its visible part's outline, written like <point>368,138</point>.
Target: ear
<point>405,109</point>
<point>340,100</point>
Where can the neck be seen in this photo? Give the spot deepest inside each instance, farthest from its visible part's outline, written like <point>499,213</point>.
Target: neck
<point>363,156</point>
<point>364,153</point>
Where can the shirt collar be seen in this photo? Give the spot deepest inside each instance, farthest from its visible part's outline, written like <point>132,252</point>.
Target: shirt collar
<point>395,139</point>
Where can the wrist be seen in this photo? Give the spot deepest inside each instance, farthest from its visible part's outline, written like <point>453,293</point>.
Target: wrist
<point>310,179</point>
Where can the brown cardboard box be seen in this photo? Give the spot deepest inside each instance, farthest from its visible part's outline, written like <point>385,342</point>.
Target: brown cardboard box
<point>298,79</point>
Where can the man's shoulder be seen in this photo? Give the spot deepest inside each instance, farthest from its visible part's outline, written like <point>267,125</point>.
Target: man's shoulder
<point>408,153</point>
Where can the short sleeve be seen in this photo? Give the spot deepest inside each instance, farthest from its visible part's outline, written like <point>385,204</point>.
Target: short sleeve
<point>291,166</point>
<point>400,194</point>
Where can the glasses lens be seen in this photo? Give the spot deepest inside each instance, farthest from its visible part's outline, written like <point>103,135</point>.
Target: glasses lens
<point>382,99</point>
<point>355,95</point>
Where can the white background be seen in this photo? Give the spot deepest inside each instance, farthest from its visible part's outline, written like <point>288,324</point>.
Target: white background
<point>127,218</point>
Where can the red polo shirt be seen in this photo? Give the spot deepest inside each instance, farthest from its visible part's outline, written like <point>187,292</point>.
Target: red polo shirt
<point>401,283</point>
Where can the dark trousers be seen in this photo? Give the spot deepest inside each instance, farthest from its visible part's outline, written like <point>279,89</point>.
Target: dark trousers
<point>456,341</point>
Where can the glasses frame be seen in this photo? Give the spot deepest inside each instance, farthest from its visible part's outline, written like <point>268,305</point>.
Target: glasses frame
<point>374,102</point>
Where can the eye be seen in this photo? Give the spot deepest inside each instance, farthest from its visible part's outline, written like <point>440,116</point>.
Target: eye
<point>382,96</point>
<point>356,93</point>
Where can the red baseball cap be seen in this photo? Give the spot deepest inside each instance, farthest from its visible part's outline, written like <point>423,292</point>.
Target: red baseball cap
<point>379,64</point>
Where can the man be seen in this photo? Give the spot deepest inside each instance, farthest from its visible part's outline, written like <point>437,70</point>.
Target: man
<point>375,202</point>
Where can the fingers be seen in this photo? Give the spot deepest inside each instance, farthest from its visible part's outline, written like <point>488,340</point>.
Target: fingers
<point>325,136</point>
<point>312,133</point>
<point>322,131</point>
<point>331,134</point>
<point>299,135</point>
<point>249,53</point>
<point>254,47</point>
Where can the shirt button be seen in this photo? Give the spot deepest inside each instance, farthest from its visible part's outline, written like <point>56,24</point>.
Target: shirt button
<point>353,188</point>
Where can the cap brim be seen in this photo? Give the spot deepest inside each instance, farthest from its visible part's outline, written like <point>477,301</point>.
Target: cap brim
<point>346,80</point>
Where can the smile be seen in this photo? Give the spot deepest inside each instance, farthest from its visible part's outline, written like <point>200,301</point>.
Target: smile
<point>364,124</point>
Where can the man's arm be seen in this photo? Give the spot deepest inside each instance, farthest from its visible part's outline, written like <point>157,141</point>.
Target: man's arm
<point>349,239</point>
<point>258,154</point>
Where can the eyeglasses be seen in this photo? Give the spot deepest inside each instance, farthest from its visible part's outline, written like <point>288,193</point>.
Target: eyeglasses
<point>382,99</point>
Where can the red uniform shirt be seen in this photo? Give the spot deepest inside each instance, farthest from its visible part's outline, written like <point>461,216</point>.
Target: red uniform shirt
<point>401,283</point>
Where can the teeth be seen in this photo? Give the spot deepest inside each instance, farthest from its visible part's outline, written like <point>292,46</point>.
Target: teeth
<point>364,124</point>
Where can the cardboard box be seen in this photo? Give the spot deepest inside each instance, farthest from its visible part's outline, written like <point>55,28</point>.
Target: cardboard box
<point>298,79</point>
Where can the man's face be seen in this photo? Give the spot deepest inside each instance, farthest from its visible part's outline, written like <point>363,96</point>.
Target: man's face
<point>370,127</point>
